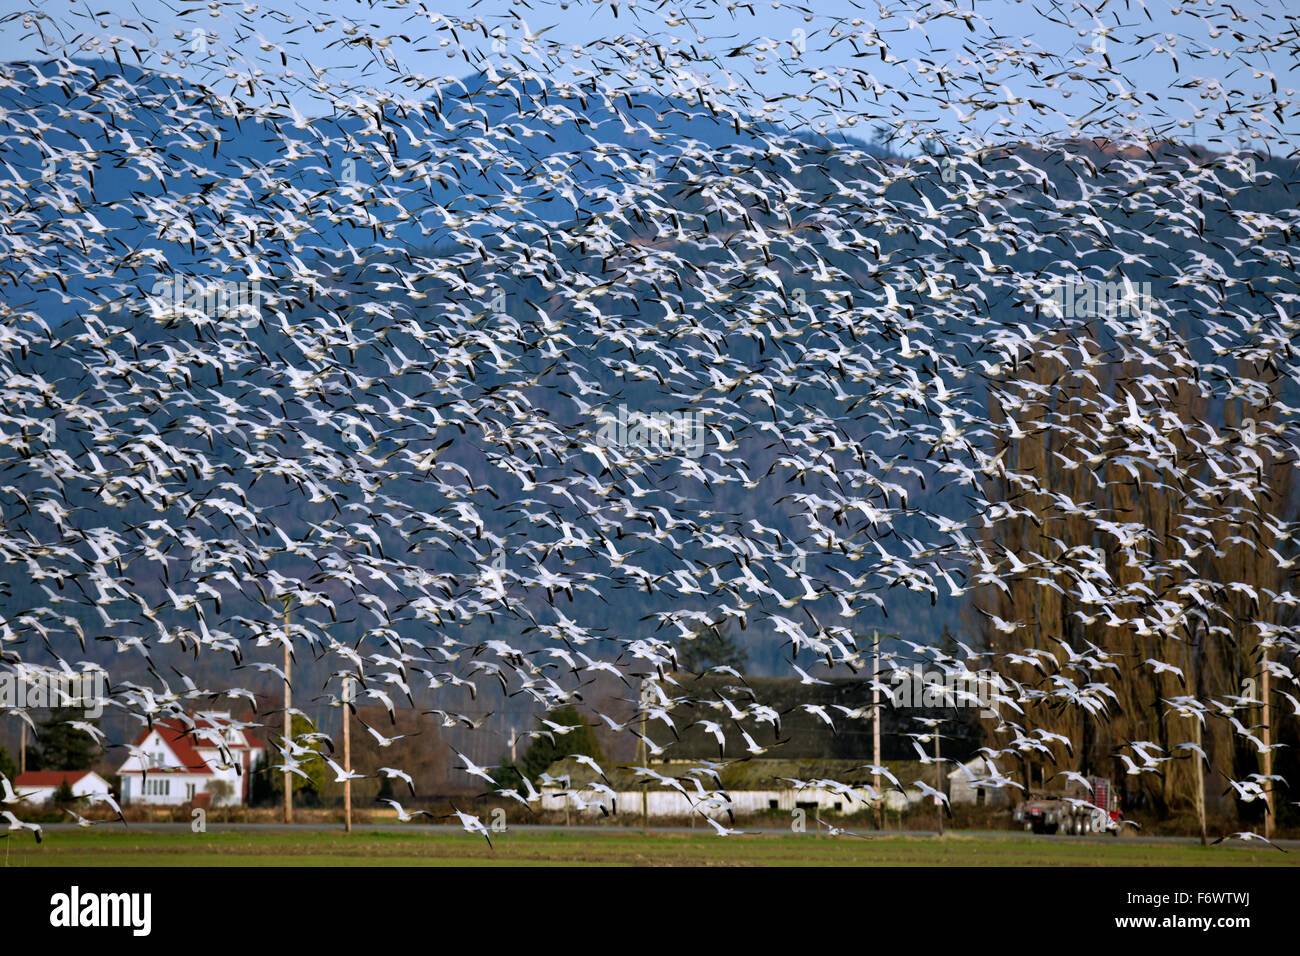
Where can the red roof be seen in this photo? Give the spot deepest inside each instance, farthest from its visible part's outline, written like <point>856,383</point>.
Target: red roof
<point>175,735</point>
<point>49,778</point>
<point>205,723</point>
<point>184,743</point>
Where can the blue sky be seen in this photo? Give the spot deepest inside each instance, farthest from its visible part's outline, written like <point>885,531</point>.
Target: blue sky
<point>316,34</point>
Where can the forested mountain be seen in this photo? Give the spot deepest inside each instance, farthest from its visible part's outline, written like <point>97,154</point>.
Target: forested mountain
<point>444,322</point>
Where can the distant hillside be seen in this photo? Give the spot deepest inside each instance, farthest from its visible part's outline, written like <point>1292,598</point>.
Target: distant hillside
<point>449,272</point>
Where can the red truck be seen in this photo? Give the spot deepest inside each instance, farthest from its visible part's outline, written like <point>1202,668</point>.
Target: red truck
<point>1075,811</point>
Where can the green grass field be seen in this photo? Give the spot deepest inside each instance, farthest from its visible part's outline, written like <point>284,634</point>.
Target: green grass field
<point>622,847</point>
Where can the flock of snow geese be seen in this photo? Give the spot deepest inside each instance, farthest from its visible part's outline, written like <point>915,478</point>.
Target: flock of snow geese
<point>638,322</point>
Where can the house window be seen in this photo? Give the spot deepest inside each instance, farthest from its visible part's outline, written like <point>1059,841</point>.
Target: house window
<point>189,791</point>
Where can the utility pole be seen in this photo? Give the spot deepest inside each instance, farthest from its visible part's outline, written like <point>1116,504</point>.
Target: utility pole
<point>347,754</point>
<point>1200,781</point>
<point>875,731</point>
<point>645,784</point>
<point>1197,720</point>
<point>938,781</point>
<point>288,718</point>
<point>644,757</point>
<point>1268,751</point>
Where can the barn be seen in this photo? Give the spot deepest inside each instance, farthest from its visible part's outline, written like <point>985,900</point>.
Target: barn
<point>40,786</point>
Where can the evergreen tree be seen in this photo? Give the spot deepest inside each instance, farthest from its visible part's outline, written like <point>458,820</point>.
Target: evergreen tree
<point>711,647</point>
<point>61,746</point>
<point>545,750</point>
<point>261,790</point>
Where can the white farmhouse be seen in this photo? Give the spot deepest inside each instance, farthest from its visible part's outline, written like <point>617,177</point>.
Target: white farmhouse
<point>39,786</point>
<point>177,760</point>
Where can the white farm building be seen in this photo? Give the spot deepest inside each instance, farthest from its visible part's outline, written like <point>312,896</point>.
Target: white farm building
<point>176,760</point>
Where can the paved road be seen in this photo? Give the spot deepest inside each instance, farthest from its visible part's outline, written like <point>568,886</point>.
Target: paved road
<point>546,828</point>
